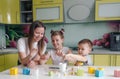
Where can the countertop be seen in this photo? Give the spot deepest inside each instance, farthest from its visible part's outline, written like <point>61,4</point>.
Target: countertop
<point>8,50</point>
<point>43,70</point>
<point>95,51</point>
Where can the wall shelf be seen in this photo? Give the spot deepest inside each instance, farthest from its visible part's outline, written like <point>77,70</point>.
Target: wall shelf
<point>26,14</point>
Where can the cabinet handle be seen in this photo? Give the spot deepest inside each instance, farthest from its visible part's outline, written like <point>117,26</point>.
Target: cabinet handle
<point>48,20</point>
<point>49,1</point>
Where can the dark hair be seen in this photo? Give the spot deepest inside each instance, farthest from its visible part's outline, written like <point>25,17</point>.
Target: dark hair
<point>41,43</point>
<point>61,33</point>
<point>89,42</point>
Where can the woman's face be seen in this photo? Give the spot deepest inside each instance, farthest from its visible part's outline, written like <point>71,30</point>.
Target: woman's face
<point>57,41</point>
<point>38,33</point>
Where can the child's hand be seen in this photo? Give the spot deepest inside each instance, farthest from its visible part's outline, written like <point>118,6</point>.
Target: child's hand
<point>60,53</point>
<point>69,57</point>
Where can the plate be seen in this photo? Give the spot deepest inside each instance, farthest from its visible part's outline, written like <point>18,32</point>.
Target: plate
<point>79,12</point>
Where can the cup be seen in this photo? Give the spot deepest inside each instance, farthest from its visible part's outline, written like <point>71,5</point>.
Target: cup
<point>63,67</point>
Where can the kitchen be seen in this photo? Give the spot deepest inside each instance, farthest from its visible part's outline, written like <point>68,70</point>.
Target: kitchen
<point>75,28</point>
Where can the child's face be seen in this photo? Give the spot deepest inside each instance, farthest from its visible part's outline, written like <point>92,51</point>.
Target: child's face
<point>57,41</point>
<point>84,49</point>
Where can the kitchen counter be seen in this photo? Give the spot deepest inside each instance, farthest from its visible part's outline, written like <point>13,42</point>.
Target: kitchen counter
<point>95,51</point>
<point>101,51</point>
<point>8,50</point>
<point>42,73</point>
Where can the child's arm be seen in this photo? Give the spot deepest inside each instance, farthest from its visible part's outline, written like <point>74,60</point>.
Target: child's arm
<point>73,58</point>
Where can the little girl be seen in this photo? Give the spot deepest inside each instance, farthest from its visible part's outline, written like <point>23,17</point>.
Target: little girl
<point>58,52</point>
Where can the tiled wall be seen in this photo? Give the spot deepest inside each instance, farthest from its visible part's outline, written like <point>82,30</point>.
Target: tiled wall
<point>2,36</point>
<point>76,32</point>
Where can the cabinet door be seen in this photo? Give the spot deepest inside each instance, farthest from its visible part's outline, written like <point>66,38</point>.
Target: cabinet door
<point>2,60</point>
<point>107,10</point>
<point>2,63</point>
<point>46,1</point>
<point>102,60</point>
<point>1,11</point>
<point>117,60</point>
<point>10,11</point>
<point>51,13</point>
<point>11,60</point>
<point>1,68</point>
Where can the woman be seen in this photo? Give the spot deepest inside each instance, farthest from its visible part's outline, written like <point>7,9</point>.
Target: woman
<point>32,48</point>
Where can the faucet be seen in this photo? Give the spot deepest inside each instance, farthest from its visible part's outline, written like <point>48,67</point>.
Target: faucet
<point>3,46</point>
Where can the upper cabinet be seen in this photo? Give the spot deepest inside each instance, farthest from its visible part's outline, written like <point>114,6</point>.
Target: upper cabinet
<point>107,10</point>
<point>79,11</point>
<point>9,11</point>
<point>26,11</point>
<point>48,11</point>
<point>1,19</point>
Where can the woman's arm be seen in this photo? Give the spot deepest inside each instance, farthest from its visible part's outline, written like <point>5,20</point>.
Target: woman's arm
<point>25,60</point>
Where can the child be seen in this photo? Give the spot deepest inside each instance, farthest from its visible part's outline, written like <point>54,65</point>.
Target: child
<point>58,52</point>
<point>83,57</point>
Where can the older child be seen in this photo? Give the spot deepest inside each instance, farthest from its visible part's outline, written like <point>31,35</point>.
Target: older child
<point>58,52</point>
<point>83,57</point>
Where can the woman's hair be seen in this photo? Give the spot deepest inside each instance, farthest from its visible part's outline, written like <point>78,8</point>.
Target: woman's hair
<point>41,43</point>
<point>84,41</point>
<point>60,33</point>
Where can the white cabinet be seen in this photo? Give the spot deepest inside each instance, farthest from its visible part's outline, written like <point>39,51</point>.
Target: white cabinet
<point>107,10</point>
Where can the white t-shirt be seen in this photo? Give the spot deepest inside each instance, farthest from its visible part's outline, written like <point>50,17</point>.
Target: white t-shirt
<point>22,46</point>
<point>55,58</point>
<point>89,62</point>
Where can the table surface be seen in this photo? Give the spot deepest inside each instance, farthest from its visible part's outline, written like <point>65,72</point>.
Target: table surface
<point>44,69</point>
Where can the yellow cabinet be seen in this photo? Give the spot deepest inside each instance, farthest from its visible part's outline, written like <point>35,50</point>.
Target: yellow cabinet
<point>107,10</point>
<point>2,60</point>
<point>1,12</point>
<point>48,12</point>
<point>117,60</point>
<point>2,68</point>
<point>11,60</point>
<point>10,11</point>
<point>46,1</point>
<point>102,60</point>
<point>8,60</point>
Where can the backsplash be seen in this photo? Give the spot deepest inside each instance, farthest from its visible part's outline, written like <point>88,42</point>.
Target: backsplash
<point>2,36</point>
<point>73,32</point>
<point>76,32</point>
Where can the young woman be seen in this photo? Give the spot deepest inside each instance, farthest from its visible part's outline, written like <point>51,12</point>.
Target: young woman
<point>32,48</point>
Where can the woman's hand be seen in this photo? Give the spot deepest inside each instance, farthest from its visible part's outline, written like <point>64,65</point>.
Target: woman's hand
<point>31,64</point>
<point>33,53</point>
